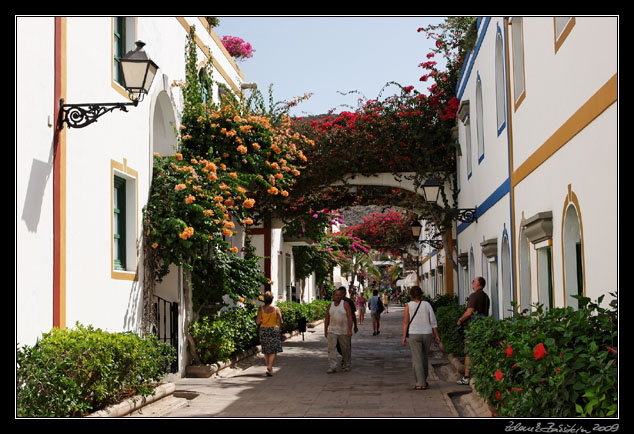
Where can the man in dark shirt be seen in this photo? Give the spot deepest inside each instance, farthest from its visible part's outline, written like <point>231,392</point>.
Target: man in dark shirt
<point>477,306</point>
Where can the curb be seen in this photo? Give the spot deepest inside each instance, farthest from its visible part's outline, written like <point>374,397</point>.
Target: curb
<point>136,402</point>
<point>206,371</point>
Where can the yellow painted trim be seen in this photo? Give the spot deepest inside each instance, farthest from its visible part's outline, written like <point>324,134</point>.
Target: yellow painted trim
<point>572,200</point>
<point>597,104</point>
<point>565,32</point>
<point>123,168</point>
<point>218,42</point>
<point>207,53</point>
<point>62,179</point>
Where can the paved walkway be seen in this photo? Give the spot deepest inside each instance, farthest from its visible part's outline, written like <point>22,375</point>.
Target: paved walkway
<point>380,383</point>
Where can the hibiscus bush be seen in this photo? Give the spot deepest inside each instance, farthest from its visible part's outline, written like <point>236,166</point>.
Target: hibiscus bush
<point>556,363</point>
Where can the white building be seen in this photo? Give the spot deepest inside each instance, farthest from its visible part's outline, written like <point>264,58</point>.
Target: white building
<point>74,261</point>
<point>539,137</point>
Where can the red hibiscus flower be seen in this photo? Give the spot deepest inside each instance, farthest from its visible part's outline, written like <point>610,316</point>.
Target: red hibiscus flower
<point>509,351</point>
<point>539,352</point>
<point>498,375</point>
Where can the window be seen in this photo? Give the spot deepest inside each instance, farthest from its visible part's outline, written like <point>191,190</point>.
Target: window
<point>467,126</point>
<point>518,59</point>
<point>205,85</point>
<point>573,256</point>
<point>507,290</point>
<point>493,287</point>
<point>124,222</point>
<point>123,38</point>
<point>118,48</point>
<point>545,276</point>
<point>499,82</point>
<point>563,26</point>
<point>119,224</point>
<point>525,272</point>
<point>480,120</point>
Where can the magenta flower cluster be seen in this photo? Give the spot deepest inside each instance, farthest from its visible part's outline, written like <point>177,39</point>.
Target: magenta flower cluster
<point>237,48</point>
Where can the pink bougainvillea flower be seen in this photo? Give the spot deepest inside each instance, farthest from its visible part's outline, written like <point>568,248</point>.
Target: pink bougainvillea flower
<point>498,375</point>
<point>539,352</point>
<point>498,395</point>
<point>509,351</point>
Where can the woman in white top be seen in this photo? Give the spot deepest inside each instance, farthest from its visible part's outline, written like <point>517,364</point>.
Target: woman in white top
<point>420,321</point>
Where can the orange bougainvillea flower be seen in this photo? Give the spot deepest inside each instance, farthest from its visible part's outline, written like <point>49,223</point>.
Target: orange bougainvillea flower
<point>189,199</point>
<point>208,212</point>
<point>227,232</point>
<point>234,249</point>
<point>179,187</point>
<point>248,203</point>
<point>273,190</point>
<point>188,232</point>
<point>247,221</point>
<point>242,149</point>
<point>255,145</point>
<point>539,352</point>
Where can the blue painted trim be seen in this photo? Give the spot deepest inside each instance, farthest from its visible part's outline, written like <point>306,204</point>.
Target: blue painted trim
<point>474,54</point>
<point>496,196</point>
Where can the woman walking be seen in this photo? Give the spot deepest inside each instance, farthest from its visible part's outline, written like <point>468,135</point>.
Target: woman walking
<point>361,307</point>
<point>269,319</point>
<point>420,322</point>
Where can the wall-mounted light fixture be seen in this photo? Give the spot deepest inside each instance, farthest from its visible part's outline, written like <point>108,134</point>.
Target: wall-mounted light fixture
<point>416,227</point>
<point>138,73</point>
<point>431,190</point>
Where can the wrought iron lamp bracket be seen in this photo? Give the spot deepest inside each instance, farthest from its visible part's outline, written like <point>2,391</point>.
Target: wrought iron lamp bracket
<point>467,215</point>
<point>436,244</point>
<point>82,115</point>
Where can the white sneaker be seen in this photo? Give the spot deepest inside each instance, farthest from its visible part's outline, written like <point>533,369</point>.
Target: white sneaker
<point>464,381</point>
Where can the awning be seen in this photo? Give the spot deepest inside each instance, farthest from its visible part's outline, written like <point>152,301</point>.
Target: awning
<point>409,281</point>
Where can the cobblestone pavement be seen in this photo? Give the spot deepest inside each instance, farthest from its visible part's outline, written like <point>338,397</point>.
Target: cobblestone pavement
<point>380,383</point>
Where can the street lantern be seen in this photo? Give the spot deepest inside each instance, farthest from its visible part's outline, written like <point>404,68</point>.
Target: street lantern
<point>416,228</point>
<point>138,70</point>
<point>138,74</point>
<point>431,190</point>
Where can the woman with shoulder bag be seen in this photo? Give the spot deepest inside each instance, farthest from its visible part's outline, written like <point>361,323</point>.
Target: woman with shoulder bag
<point>419,325</point>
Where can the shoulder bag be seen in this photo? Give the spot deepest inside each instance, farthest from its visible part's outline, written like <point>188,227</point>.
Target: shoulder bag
<point>411,319</point>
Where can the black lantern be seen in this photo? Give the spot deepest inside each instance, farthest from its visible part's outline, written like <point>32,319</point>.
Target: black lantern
<point>138,74</point>
<point>416,228</point>
<point>431,190</point>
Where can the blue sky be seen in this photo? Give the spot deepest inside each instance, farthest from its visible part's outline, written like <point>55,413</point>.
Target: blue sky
<point>327,55</point>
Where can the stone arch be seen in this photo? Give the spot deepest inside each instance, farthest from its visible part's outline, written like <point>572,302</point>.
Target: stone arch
<point>164,121</point>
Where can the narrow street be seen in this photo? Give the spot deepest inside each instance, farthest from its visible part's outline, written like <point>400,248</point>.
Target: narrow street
<point>380,384</point>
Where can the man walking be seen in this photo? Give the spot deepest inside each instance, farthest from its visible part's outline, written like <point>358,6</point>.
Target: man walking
<point>376,307</point>
<point>338,329</point>
<point>477,306</point>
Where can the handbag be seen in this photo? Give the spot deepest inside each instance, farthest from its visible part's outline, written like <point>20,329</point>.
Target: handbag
<point>411,319</point>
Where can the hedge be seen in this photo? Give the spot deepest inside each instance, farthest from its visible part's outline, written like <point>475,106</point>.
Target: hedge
<point>73,372</point>
<point>556,363</point>
<point>234,331</point>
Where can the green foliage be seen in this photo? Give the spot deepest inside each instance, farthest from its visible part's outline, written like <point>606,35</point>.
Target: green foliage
<point>447,316</point>
<point>69,373</point>
<point>225,274</point>
<point>231,332</point>
<point>234,331</point>
<point>558,363</point>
